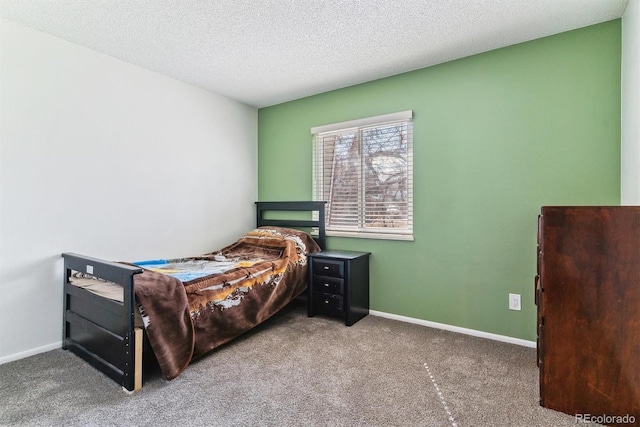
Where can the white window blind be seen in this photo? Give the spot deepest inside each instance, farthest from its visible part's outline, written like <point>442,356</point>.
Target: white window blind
<point>364,170</point>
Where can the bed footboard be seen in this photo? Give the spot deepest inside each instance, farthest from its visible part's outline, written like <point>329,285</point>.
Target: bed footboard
<point>99,330</point>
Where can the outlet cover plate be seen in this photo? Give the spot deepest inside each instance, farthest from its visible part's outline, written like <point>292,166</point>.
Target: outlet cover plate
<point>514,302</point>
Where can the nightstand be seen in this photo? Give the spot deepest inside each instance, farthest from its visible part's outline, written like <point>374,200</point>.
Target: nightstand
<point>339,285</point>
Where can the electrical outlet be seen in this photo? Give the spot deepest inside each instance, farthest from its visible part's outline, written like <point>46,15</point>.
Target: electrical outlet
<point>514,302</point>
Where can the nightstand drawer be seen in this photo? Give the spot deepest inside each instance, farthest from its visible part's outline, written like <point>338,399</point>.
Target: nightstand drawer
<point>327,267</point>
<point>328,285</point>
<point>328,304</point>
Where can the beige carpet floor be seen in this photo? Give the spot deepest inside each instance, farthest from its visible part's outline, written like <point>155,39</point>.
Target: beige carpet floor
<point>297,371</point>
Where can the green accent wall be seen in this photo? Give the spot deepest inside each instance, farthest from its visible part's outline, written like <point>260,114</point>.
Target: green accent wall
<point>496,136</point>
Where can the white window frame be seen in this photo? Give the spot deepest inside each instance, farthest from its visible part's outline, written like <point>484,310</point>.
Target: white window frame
<point>360,231</point>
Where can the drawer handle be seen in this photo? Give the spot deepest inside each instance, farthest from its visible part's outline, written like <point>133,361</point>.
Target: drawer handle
<point>326,267</point>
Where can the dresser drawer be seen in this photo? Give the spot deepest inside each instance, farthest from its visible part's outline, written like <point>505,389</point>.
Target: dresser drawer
<point>328,285</point>
<point>327,267</point>
<point>328,304</point>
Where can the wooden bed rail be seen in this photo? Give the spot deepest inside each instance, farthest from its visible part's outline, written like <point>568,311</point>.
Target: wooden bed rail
<point>84,320</point>
<point>313,206</point>
<point>107,270</point>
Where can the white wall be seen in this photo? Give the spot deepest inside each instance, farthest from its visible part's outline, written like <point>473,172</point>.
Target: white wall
<point>630,162</point>
<point>101,157</point>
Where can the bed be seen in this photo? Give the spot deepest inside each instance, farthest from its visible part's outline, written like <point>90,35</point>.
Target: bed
<point>117,314</point>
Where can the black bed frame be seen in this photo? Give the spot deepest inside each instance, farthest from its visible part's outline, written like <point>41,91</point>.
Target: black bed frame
<point>102,331</point>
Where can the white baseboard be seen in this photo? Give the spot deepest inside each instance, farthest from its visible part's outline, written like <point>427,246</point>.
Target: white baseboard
<point>444,326</point>
<point>458,329</point>
<point>31,352</point>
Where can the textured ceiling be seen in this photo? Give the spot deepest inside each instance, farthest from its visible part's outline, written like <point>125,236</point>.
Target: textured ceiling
<point>264,52</point>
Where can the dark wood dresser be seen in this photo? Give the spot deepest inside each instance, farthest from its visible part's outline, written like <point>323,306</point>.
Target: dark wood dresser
<point>339,285</point>
<point>587,293</point>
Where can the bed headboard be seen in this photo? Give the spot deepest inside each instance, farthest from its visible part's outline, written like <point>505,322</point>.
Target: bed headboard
<point>262,207</point>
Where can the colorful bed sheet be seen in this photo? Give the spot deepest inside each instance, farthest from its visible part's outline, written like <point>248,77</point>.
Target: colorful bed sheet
<point>189,269</point>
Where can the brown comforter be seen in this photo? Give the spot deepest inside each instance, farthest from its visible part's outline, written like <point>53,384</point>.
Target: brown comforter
<point>186,320</point>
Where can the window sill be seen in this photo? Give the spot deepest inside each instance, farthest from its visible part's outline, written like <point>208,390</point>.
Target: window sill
<point>379,236</point>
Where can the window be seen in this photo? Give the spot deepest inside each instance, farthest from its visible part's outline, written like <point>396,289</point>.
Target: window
<point>364,170</point>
